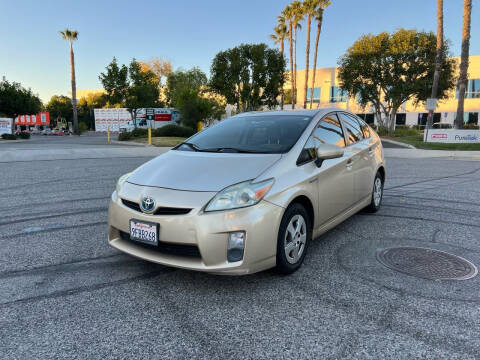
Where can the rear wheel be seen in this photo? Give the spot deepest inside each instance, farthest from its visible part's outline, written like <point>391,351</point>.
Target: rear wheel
<point>377,194</point>
<point>293,238</point>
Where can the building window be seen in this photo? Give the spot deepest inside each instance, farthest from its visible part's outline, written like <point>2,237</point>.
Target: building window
<point>337,94</point>
<point>473,89</point>
<point>401,119</point>
<point>368,118</point>
<point>469,118</point>
<point>316,94</point>
<point>423,117</point>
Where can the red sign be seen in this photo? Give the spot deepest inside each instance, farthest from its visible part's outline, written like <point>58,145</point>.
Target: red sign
<point>439,136</point>
<point>42,118</point>
<point>163,117</point>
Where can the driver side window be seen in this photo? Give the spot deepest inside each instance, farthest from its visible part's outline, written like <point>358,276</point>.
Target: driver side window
<point>328,131</point>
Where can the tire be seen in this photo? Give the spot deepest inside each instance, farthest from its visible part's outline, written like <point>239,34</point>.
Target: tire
<point>377,194</point>
<point>295,232</point>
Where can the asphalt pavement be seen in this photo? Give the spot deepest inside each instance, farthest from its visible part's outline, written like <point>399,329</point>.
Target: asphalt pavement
<point>64,293</point>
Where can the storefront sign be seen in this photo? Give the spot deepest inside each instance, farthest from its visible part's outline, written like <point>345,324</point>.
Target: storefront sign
<point>452,136</point>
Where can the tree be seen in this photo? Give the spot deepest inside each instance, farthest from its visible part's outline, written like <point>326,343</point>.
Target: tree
<point>115,83</point>
<point>322,4</point>
<point>387,70</point>
<point>298,15</point>
<point>142,91</point>
<point>463,77</point>
<point>279,36</point>
<point>249,76</point>
<point>130,87</point>
<point>71,36</point>
<point>60,106</point>
<point>15,100</point>
<point>86,107</point>
<point>160,67</point>
<point>289,16</point>
<point>438,58</point>
<point>177,81</point>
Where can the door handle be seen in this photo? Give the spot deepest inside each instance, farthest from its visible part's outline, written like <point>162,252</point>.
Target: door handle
<point>349,164</point>
<point>313,180</point>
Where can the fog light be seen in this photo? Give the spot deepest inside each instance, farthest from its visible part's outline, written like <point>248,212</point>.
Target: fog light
<point>236,244</point>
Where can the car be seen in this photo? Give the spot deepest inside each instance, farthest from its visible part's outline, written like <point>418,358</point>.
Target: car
<point>249,193</point>
<point>442,125</point>
<point>47,131</point>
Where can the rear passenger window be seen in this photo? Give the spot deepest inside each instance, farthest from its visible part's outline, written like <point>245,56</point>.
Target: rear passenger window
<point>352,127</point>
<point>328,131</point>
<point>364,126</point>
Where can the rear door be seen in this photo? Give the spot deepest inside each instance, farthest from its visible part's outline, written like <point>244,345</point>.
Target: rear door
<point>360,161</point>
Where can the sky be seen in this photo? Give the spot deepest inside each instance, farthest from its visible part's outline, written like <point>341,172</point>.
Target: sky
<point>187,32</point>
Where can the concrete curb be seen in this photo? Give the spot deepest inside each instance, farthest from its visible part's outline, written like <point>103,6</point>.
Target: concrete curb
<point>407,146</point>
<point>128,143</point>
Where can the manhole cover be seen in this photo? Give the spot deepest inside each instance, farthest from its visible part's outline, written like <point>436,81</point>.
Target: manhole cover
<point>427,263</point>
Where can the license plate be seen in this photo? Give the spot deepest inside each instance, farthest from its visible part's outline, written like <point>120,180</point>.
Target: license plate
<point>143,231</point>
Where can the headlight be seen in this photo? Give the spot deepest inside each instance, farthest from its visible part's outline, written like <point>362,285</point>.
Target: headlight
<point>121,181</point>
<point>239,195</point>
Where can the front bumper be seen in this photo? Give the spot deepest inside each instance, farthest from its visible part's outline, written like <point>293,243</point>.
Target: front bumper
<point>207,231</point>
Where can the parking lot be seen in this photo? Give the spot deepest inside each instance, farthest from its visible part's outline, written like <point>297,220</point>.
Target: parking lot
<point>65,293</point>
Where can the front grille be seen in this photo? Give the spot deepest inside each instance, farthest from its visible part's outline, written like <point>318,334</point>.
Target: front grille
<point>166,248</point>
<point>160,211</point>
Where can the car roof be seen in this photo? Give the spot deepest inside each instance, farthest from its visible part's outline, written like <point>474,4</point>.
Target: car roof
<point>312,112</point>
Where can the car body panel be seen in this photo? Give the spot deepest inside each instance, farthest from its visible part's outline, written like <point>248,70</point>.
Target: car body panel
<point>211,171</point>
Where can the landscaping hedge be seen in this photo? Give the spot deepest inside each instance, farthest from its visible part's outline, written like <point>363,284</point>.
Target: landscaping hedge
<point>174,131</point>
<point>124,136</point>
<point>24,135</point>
<point>8,137</point>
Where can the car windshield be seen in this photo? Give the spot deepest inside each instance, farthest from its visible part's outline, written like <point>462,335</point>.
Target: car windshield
<point>252,134</point>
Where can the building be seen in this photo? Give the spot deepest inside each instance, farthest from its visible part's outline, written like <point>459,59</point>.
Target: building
<point>327,93</point>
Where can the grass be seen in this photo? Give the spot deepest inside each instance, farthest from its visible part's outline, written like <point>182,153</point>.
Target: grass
<point>163,141</point>
<point>417,141</point>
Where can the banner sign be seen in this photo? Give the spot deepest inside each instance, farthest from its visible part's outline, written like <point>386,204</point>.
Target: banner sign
<point>452,136</point>
<point>113,118</point>
<point>42,118</point>
<point>5,126</point>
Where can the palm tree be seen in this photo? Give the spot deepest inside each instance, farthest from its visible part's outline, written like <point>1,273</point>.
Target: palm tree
<point>289,16</point>
<point>319,18</point>
<point>309,8</point>
<point>463,77</point>
<point>298,15</point>
<point>438,58</point>
<point>71,36</point>
<point>279,36</point>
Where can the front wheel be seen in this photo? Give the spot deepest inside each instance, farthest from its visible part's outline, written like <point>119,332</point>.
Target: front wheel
<point>377,194</point>
<point>293,238</point>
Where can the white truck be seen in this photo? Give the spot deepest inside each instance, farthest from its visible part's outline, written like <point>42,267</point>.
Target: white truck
<point>159,118</point>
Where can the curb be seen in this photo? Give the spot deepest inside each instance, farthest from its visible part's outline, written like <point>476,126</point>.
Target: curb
<point>128,143</point>
<point>406,146</point>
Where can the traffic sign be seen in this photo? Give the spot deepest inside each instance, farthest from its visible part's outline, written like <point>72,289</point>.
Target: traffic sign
<point>431,104</point>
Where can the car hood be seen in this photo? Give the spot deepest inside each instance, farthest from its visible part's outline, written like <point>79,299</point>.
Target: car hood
<point>201,171</point>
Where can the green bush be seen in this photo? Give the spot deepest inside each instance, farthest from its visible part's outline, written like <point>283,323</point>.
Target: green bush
<point>404,131</point>
<point>382,131</point>
<point>139,133</point>
<point>82,127</point>
<point>471,127</point>
<point>173,131</point>
<point>8,137</point>
<point>124,136</point>
<point>24,135</point>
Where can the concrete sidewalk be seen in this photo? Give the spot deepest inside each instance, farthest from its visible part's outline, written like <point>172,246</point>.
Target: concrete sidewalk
<point>425,154</point>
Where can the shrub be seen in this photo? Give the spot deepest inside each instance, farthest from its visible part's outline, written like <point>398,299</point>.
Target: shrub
<point>139,132</point>
<point>382,131</point>
<point>82,127</point>
<point>470,127</point>
<point>24,135</point>
<point>124,136</point>
<point>404,131</point>
<point>8,137</point>
<point>174,131</point>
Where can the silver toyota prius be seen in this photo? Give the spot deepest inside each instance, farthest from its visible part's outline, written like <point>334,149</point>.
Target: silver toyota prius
<point>250,192</point>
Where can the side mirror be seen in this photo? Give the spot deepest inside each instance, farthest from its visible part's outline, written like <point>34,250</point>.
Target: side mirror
<point>327,151</point>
